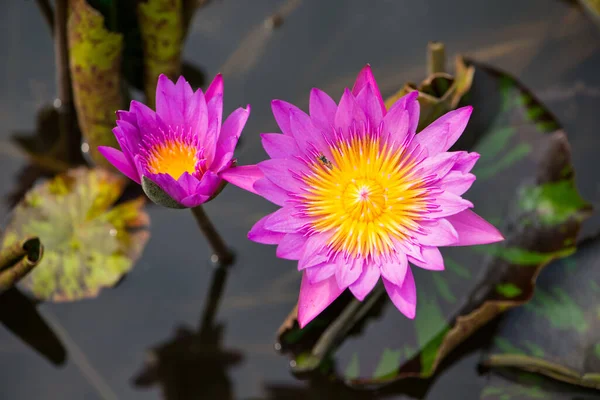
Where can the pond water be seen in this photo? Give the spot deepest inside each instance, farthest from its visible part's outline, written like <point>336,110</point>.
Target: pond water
<point>549,45</point>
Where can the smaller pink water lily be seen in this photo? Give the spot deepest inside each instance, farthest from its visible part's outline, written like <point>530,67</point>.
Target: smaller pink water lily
<point>177,152</point>
<point>362,195</point>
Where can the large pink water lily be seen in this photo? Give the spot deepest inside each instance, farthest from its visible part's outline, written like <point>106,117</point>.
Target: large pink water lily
<point>362,195</point>
<point>177,152</point>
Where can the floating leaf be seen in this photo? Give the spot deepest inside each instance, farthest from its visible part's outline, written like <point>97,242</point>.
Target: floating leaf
<point>516,385</point>
<point>18,260</point>
<point>88,244</point>
<point>95,62</point>
<point>162,30</point>
<point>519,194</point>
<point>440,92</point>
<point>558,332</point>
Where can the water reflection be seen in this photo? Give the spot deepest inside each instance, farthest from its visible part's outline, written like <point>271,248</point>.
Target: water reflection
<point>19,314</point>
<point>194,363</point>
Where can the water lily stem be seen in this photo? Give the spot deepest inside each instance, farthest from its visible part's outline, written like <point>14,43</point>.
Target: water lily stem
<point>221,253</point>
<point>436,58</point>
<point>354,312</point>
<point>69,137</point>
<point>18,260</point>
<point>213,298</point>
<point>47,13</point>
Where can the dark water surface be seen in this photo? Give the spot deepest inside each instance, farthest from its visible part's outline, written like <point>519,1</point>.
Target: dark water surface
<point>551,46</point>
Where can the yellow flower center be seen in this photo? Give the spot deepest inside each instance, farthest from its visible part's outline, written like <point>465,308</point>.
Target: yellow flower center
<point>172,157</point>
<point>366,196</point>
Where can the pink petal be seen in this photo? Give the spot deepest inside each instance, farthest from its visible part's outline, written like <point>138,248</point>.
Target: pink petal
<point>215,88</point>
<point>365,77</point>
<point>195,115</point>
<point>230,133</point>
<point>370,102</point>
<point>285,220</point>
<point>194,200</point>
<point>199,191</point>
<point>315,297</point>
<point>348,111</point>
<point>307,136</point>
<point>260,234</point>
<point>243,176</point>
<point>472,229</point>
<point>466,161</point>
<point>172,100</point>
<point>347,272</point>
<point>279,146</point>
<point>432,257</point>
<point>291,246</point>
<point>445,131</point>
<point>449,204</point>
<point>395,125</point>
<point>404,297</point>
<point>457,182</point>
<point>270,191</point>
<point>395,272</point>
<point>438,233</point>
<point>409,102</point>
<point>365,282</point>
<point>145,117</point>
<point>128,135</point>
<point>322,110</point>
<point>314,251</point>
<point>281,112</point>
<point>320,272</point>
<point>438,165</point>
<point>120,162</point>
<point>281,172</point>
<point>189,183</point>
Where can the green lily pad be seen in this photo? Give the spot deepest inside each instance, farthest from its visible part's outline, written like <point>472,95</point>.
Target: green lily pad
<point>95,63</point>
<point>89,243</point>
<point>509,384</point>
<point>562,320</point>
<point>526,187</point>
<point>161,25</point>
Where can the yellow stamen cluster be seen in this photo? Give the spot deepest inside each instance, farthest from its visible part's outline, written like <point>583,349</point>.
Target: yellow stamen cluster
<point>172,157</point>
<point>365,196</point>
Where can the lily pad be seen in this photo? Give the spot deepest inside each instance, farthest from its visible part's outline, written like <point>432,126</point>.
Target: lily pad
<point>89,244</point>
<point>558,332</point>
<point>161,25</point>
<point>509,384</point>
<point>95,62</point>
<point>526,187</point>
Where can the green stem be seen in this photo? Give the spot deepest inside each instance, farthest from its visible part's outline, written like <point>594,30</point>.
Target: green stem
<point>339,328</point>
<point>436,58</point>
<point>18,260</point>
<point>221,253</point>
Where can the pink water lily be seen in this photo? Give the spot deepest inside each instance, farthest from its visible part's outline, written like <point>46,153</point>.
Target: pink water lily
<point>177,152</point>
<point>362,195</point>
